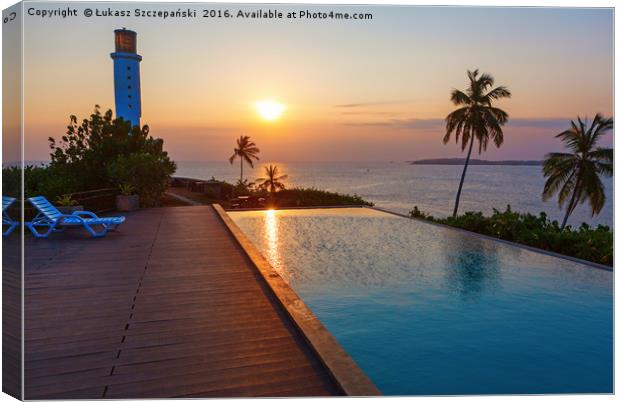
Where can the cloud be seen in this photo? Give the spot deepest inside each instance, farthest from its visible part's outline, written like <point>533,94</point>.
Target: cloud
<point>366,104</point>
<point>545,122</point>
<point>404,123</point>
<point>437,123</point>
<point>366,113</point>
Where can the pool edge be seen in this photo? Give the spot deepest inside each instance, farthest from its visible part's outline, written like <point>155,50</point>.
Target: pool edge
<point>591,264</point>
<point>507,242</point>
<point>342,368</point>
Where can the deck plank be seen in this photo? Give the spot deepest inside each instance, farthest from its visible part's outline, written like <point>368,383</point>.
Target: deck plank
<point>168,306</point>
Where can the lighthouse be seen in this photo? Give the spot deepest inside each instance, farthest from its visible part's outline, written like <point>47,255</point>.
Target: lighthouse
<point>127,76</point>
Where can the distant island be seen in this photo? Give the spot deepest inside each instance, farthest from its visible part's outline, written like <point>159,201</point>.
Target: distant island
<point>461,161</point>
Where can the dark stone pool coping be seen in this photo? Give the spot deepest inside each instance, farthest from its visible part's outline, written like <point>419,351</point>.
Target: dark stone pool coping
<point>343,369</point>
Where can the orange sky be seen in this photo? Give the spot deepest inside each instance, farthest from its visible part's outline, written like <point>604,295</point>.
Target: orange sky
<point>365,90</point>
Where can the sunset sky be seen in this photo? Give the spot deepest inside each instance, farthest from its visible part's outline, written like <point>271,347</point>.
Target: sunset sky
<point>373,90</point>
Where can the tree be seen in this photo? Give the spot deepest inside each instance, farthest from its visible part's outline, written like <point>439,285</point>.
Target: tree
<point>476,119</point>
<point>148,174</point>
<point>244,187</point>
<point>245,150</point>
<point>273,181</point>
<point>577,174</point>
<point>92,154</point>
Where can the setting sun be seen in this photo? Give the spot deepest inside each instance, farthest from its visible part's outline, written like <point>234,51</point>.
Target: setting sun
<point>269,110</point>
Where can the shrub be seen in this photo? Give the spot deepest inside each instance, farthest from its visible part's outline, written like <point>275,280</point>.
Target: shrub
<point>126,189</point>
<point>148,174</point>
<point>244,187</point>
<point>100,152</point>
<point>38,180</point>
<point>65,201</point>
<point>103,152</point>
<point>11,181</point>
<point>592,244</point>
<point>416,213</point>
<point>306,197</point>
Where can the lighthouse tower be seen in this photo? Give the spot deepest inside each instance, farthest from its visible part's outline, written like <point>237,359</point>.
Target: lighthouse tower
<point>127,76</point>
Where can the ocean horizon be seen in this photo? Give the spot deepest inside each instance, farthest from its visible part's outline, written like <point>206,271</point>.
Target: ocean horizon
<point>399,186</point>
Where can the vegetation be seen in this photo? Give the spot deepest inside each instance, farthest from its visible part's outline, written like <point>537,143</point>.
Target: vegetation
<point>476,118</point>
<point>127,189</point>
<point>295,197</point>
<point>575,176</point>
<point>273,181</point>
<point>312,197</point>
<point>148,174</point>
<point>37,181</point>
<point>243,187</point>
<point>585,242</point>
<point>66,201</point>
<point>245,150</point>
<point>99,152</point>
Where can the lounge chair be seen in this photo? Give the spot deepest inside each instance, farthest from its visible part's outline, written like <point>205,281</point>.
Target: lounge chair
<point>55,221</point>
<point>6,219</point>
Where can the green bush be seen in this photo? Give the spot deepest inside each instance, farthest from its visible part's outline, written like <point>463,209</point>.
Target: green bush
<point>244,187</point>
<point>65,201</point>
<point>307,197</point>
<point>38,180</point>
<point>592,244</point>
<point>11,181</point>
<point>148,174</point>
<point>293,197</point>
<point>99,152</point>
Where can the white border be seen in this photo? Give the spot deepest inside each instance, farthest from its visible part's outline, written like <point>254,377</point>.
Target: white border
<point>514,3</point>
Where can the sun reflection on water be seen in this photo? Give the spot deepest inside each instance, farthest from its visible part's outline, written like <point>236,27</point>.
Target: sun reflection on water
<point>271,237</point>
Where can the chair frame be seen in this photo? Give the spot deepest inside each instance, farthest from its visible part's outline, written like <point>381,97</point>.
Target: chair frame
<point>6,219</point>
<point>51,218</point>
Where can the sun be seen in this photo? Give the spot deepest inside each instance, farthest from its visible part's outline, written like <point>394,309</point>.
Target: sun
<point>269,110</point>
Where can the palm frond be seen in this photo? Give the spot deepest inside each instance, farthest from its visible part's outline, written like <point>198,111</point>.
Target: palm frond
<point>248,159</point>
<point>567,189</point>
<point>272,182</point>
<point>594,191</point>
<point>233,156</point>
<point>554,182</point>
<point>454,123</point>
<point>459,97</point>
<point>571,137</point>
<point>605,155</point>
<point>485,81</point>
<point>472,75</point>
<point>600,126</point>
<point>578,174</point>
<point>496,93</point>
<point>477,118</point>
<point>559,168</point>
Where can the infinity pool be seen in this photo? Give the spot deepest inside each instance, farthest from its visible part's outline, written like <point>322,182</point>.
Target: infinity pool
<point>427,310</point>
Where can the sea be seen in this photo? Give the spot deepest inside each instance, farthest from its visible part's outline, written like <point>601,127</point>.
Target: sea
<point>399,186</point>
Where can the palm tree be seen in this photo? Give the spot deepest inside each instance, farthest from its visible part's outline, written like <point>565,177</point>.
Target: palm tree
<point>476,118</point>
<point>245,150</point>
<point>577,174</point>
<point>273,181</point>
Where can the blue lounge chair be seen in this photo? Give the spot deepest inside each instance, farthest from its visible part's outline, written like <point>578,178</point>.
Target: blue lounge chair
<point>6,219</point>
<point>55,221</point>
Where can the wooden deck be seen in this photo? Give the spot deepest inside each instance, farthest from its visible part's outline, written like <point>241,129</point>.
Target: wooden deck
<point>169,306</point>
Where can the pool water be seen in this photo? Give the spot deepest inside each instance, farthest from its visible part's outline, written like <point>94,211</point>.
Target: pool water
<point>428,310</point>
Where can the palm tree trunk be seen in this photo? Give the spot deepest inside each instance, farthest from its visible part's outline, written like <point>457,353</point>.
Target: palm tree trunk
<point>241,179</point>
<point>458,193</point>
<point>571,206</point>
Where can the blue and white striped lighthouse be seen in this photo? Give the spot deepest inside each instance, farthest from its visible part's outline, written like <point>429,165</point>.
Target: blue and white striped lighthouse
<point>127,76</point>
